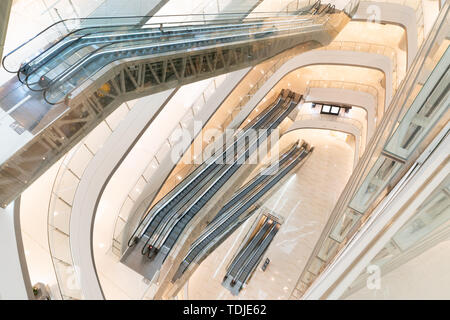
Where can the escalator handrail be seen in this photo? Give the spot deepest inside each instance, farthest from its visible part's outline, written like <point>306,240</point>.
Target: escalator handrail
<point>257,179</point>
<point>262,119</point>
<point>232,209</point>
<point>254,195</point>
<point>244,155</point>
<point>251,263</point>
<point>183,31</point>
<point>61,77</point>
<point>64,21</point>
<point>303,152</point>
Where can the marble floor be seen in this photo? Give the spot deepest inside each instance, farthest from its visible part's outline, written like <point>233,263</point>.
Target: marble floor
<point>304,201</point>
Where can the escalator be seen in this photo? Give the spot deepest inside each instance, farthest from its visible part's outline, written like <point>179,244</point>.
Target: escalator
<point>250,265</point>
<point>160,230</point>
<point>241,206</point>
<point>68,63</point>
<point>249,256</point>
<point>77,80</point>
<point>168,238</point>
<point>177,197</point>
<point>159,225</point>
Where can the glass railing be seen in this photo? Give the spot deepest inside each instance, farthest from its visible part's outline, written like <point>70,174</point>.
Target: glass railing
<point>351,7</point>
<point>265,75</point>
<point>64,188</point>
<point>429,226</point>
<point>296,5</point>
<point>164,150</point>
<point>417,112</point>
<point>348,85</point>
<point>327,117</point>
<point>416,5</point>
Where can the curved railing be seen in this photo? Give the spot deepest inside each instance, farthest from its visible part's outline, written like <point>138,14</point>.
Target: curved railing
<point>387,51</point>
<point>265,75</point>
<point>325,117</point>
<point>60,209</point>
<point>348,85</point>
<point>416,5</point>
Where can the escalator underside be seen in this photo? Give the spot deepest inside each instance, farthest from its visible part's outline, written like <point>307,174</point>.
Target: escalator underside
<point>78,80</point>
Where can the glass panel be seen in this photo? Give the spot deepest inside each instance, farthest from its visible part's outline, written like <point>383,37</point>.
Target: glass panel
<point>433,214</point>
<point>349,219</point>
<point>329,247</point>
<point>385,254</point>
<point>424,112</point>
<point>335,110</point>
<point>315,266</point>
<point>151,169</point>
<point>375,182</point>
<point>163,151</point>
<point>126,208</point>
<point>68,186</point>
<point>308,277</point>
<point>138,188</point>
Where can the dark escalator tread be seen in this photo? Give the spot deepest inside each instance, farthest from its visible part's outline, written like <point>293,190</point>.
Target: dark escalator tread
<point>213,189</point>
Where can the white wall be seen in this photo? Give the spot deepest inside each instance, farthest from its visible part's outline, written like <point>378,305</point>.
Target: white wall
<point>12,280</point>
<point>424,277</point>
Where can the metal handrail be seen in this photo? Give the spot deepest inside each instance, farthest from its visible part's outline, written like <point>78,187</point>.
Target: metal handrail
<point>59,29</point>
<point>424,65</point>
